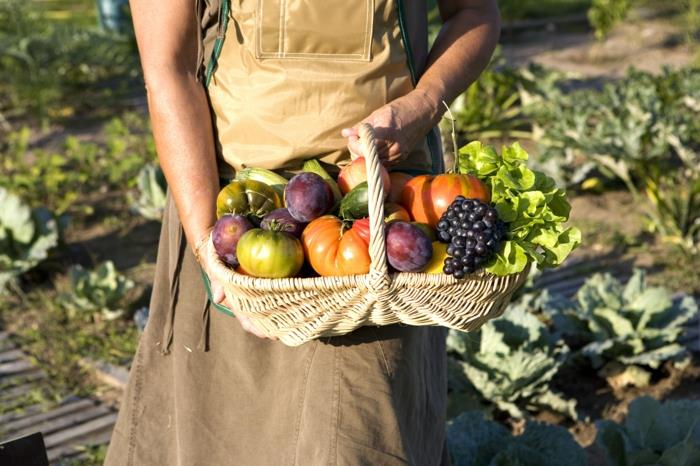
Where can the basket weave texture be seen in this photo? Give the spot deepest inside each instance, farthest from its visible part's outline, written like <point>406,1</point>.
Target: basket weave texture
<point>297,310</point>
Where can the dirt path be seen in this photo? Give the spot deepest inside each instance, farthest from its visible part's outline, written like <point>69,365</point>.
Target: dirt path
<point>647,41</point>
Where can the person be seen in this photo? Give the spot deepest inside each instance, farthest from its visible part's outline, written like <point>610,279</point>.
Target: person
<point>264,83</point>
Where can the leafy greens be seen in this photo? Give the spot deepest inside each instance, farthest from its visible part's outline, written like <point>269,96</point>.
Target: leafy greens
<point>528,201</point>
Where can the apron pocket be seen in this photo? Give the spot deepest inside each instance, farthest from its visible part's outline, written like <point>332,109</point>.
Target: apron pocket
<point>329,30</point>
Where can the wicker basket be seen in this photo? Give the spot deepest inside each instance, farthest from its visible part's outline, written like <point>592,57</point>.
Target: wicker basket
<point>297,310</point>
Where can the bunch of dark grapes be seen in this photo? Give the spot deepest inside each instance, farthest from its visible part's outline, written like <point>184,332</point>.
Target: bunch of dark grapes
<point>474,231</point>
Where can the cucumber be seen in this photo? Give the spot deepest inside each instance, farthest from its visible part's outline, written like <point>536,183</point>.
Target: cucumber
<point>268,177</point>
<point>314,166</point>
<point>355,203</point>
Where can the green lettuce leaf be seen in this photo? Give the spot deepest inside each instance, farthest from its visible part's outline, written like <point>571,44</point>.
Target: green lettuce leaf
<point>530,203</point>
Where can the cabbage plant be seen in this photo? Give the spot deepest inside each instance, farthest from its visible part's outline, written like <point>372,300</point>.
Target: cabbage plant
<point>152,192</point>
<point>96,292</point>
<point>654,433</point>
<point>26,236</point>
<point>509,362</point>
<point>631,325</point>
<point>474,441</point>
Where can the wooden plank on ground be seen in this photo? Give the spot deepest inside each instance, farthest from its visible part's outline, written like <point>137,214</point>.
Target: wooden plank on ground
<point>65,422</point>
<point>43,415</point>
<point>11,355</point>
<point>73,450</point>
<point>19,379</point>
<point>15,367</point>
<point>63,436</point>
<point>9,394</point>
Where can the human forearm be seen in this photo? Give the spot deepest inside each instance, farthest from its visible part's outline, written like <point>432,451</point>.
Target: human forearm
<point>184,141</point>
<point>461,51</point>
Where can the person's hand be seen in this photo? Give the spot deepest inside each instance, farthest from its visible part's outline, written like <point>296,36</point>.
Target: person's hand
<point>399,126</point>
<point>217,291</point>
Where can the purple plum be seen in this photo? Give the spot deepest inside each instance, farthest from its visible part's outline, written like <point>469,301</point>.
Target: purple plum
<point>308,197</point>
<point>227,231</point>
<point>282,220</point>
<point>408,248</point>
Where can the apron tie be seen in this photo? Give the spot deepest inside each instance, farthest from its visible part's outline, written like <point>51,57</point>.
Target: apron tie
<point>203,344</point>
<point>169,326</point>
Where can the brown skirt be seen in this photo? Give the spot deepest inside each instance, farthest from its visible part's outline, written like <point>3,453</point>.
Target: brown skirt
<point>204,392</point>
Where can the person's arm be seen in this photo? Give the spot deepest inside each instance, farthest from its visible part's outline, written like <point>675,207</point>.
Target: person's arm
<point>166,35</point>
<point>463,48</point>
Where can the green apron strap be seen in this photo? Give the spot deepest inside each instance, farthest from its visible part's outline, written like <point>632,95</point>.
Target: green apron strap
<point>207,286</point>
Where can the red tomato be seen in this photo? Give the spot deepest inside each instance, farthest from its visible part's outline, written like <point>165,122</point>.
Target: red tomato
<point>356,172</point>
<point>427,197</point>
<point>398,181</point>
<point>332,250</point>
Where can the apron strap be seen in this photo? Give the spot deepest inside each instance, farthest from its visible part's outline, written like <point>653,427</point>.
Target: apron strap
<point>168,328</point>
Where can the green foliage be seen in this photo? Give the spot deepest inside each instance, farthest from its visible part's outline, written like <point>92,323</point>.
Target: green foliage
<point>629,128</point>
<point>643,130</point>
<point>474,441</point>
<point>96,293</point>
<point>528,201</point>
<point>603,15</point>
<point>633,324</point>
<point>654,433</point>
<point>50,68</point>
<point>63,180</point>
<point>493,106</point>
<point>152,192</point>
<point>509,362</point>
<point>675,216</point>
<point>26,236</point>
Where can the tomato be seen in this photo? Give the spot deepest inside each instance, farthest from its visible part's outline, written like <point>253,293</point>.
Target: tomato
<point>398,181</point>
<point>437,262</point>
<point>269,254</point>
<point>395,212</point>
<point>247,197</point>
<point>427,197</point>
<point>356,172</point>
<point>333,250</point>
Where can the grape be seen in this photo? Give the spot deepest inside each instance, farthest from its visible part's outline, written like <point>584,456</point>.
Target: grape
<point>225,235</point>
<point>408,248</point>
<point>473,231</point>
<point>308,197</point>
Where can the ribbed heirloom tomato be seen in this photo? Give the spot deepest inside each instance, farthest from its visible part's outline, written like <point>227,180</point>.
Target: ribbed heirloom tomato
<point>333,250</point>
<point>427,197</point>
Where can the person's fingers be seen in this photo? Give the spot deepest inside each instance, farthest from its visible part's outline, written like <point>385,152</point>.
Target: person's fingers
<point>217,293</point>
<point>347,132</point>
<point>395,154</point>
<point>248,325</point>
<point>355,147</point>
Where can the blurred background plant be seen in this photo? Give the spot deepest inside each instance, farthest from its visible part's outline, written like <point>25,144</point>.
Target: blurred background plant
<point>97,294</point>
<point>52,69</point>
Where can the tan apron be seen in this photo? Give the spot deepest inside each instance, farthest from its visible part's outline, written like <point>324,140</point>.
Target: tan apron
<point>292,74</point>
<point>202,391</point>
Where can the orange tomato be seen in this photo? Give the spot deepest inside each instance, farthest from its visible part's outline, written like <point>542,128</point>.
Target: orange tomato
<point>427,197</point>
<point>333,250</point>
<point>398,181</point>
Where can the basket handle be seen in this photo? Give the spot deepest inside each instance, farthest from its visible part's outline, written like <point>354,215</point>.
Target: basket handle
<point>379,270</point>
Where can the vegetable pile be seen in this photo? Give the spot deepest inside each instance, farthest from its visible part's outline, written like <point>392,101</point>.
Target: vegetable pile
<point>495,213</point>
